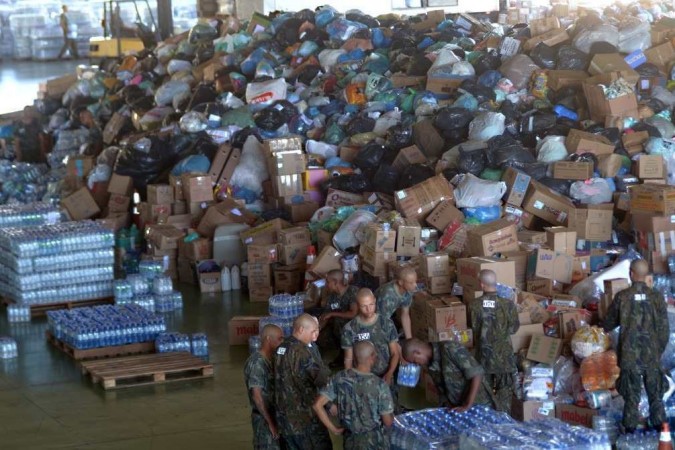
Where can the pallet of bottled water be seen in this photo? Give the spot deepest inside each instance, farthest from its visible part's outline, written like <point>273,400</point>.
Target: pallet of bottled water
<point>150,289</point>
<point>105,326</point>
<point>197,344</point>
<point>286,325</point>
<point>28,215</point>
<point>8,348</point>
<point>286,306</point>
<point>64,262</point>
<point>545,434</point>
<point>440,428</point>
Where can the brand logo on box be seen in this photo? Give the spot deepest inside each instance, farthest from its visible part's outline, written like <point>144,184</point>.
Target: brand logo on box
<point>247,330</point>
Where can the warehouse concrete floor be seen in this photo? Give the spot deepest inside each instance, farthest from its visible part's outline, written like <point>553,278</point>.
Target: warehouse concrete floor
<point>19,80</point>
<point>46,403</point>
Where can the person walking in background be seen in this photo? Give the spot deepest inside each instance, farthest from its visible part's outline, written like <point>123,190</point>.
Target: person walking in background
<point>69,34</point>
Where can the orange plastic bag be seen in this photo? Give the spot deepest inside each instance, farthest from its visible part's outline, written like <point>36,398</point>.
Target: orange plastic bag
<point>599,371</point>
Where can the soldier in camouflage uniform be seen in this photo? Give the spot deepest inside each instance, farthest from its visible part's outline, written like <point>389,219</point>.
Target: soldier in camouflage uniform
<point>641,314</point>
<point>397,294</point>
<point>364,403</point>
<point>456,374</point>
<point>340,308</point>
<point>299,373</point>
<point>259,378</point>
<point>493,321</point>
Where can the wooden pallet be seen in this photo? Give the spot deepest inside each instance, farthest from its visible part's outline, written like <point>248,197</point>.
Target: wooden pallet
<point>41,309</point>
<point>101,352</point>
<point>156,368</point>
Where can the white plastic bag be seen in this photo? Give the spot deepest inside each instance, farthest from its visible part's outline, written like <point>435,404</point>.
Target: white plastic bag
<point>551,149</point>
<point>265,93</point>
<point>166,92</point>
<point>487,125</point>
<point>472,192</point>
<point>328,58</point>
<point>347,235</point>
<point>250,173</point>
<point>601,33</point>
<point>591,192</point>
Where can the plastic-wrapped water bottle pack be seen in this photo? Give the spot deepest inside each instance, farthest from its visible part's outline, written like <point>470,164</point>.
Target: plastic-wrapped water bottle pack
<point>151,290</point>
<point>23,183</point>
<point>29,215</point>
<point>106,325</point>
<point>55,278</point>
<point>70,293</point>
<point>197,344</point>
<point>8,348</point>
<point>286,306</point>
<point>89,258</point>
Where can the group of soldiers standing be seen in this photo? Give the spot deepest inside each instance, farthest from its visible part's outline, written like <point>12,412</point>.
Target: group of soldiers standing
<point>296,402</point>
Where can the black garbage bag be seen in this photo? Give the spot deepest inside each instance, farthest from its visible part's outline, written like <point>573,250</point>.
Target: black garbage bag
<point>204,93</point>
<point>488,61</point>
<point>483,94</point>
<point>360,124</point>
<point>585,157</point>
<point>239,137</point>
<point>399,136</point>
<point>537,122</point>
<point>362,279</point>
<point>415,174</point>
<point>287,33</point>
<point>306,15</point>
<point>656,105</point>
<point>272,214</point>
<point>47,106</point>
<point>210,109</point>
<point>369,158</point>
<point>367,20</point>
<point>450,173</point>
<point>452,118</point>
<point>418,65</point>
<point>651,129</point>
<point>512,122</point>
<point>613,134</point>
<point>505,149</point>
<point>287,109</point>
<point>560,186</point>
<point>544,56</point>
<point>472,161</point>
<point>405,38</point>
<point>602,47</point>
<point>648,70</point>
<point>269,119</point>
<point>308,72</point>
<point>385,179</point>
<point>571,58</point>
<point>204,53</point>
<point>537,170</point>
<point>355,182</point>
<point>560,129</point>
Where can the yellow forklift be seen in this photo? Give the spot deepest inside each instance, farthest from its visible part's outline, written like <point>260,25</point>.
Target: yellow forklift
<point>118,39</point>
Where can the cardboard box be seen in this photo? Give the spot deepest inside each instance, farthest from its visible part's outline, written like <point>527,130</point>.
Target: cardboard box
<point>209,282</point>
<point>611,288</point>
<point>552,265</point>
<point>240,328</point>
<point>653,199</point>
<point>439,285</point>
<point>408,156</point>
<point>541,26</point>
<point>520,259</point>
<point>336,198</point>
<point>197,187</point>
<point>544,349</point>
<point>401,80</point>
<point>609,165</point>
<point>379,239</point>
<point>291,254</point>
<point>494,237</point>
<point>375,263</point>
<point>649,223</point>
<point>224,162</point>
<point>408,236</point>
<point>445,314</point>
<point>282,144</point>
<point>559,79</point>
<point>266,233</point>
<point>575,415</point>
<point>121,185</point>
<point>435,264</point>
<point>604,63</point>
<point>323,239</point>
<point>227,211</point>
<point>164,237</point>
<point>153,213</point>
<point>116,221</point>
<point>662,55</point>
<point>464,337</point>
<point>81,205</point>
<point>516,186</point>
<point>180,207</point>
<point>260,275</point>
<point>663,31</point>
<point>593,222</point>
<point>469,268</point>
<point>634,142</point>
<point>521,339</point>
<point>543,286</point>
<point>561,239</point>
<point>600,107</point>
<point>570,320</point>
<point>287,185</point>
<point>444,214</point>
<point>547,204</point>
<point>56,87</point>
<point>443,85</point>
<point>578,141</point>
<point>572,170</point>
<point>288,280</point>
<point>650,166</point>
<point>262,254</point>
<point>260,294</point>
<point>177,183</point>
<point>419,200</point>
<point>196,250</point>
<point>528,410</point>
<point>532,237</point>
<point>327,260</point>
<point>289,162</point>
<point>294,235</point>
<point>187,271</point>
<point>550,38</point>
<point>301,212</point>
<point>160,194</point>
<point>119,203</point>
<point>79,165</point>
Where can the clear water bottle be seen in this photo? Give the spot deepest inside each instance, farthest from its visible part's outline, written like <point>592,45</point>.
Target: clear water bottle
<point>8,348</point>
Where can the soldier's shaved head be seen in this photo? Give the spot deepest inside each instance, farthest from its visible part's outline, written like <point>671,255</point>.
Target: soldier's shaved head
<point>364,294</point>
<point>367,306</point>
<point>488,280</point>
<point>405,273</point>
<point>409,346</point>
<point>270,338</point>
<point>270,331</point>
<point>639,269</point>
<point>305,321</point>
<point>306,328</point>
<point>363,351</point>
<point>336,275</point>
<point>406,280</point>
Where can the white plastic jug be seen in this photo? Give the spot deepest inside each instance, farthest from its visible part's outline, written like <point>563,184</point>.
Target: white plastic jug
<point>225,280</point>
<point>235,282</point>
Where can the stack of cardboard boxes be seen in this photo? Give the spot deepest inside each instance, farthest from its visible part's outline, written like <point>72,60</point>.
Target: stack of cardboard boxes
<point>653,219</point>
<point>378,250</point>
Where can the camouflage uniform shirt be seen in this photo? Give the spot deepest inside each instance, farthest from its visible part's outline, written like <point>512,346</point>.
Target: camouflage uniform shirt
<point>389,300</point>
<point>258,373</point>
<point>361,398</point>
<point>381,333</point>
<point>298,374</point>
<point>494,320</point>
<point>452,369</point>
<point>344,302</point>
<point>642,314</point>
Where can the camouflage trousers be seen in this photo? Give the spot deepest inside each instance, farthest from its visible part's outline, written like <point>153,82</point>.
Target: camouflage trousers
<point>501,385</point>
<point>314,437</point>
<point>629,386</point>
<point>262,438</point>
<point>370,440</point>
